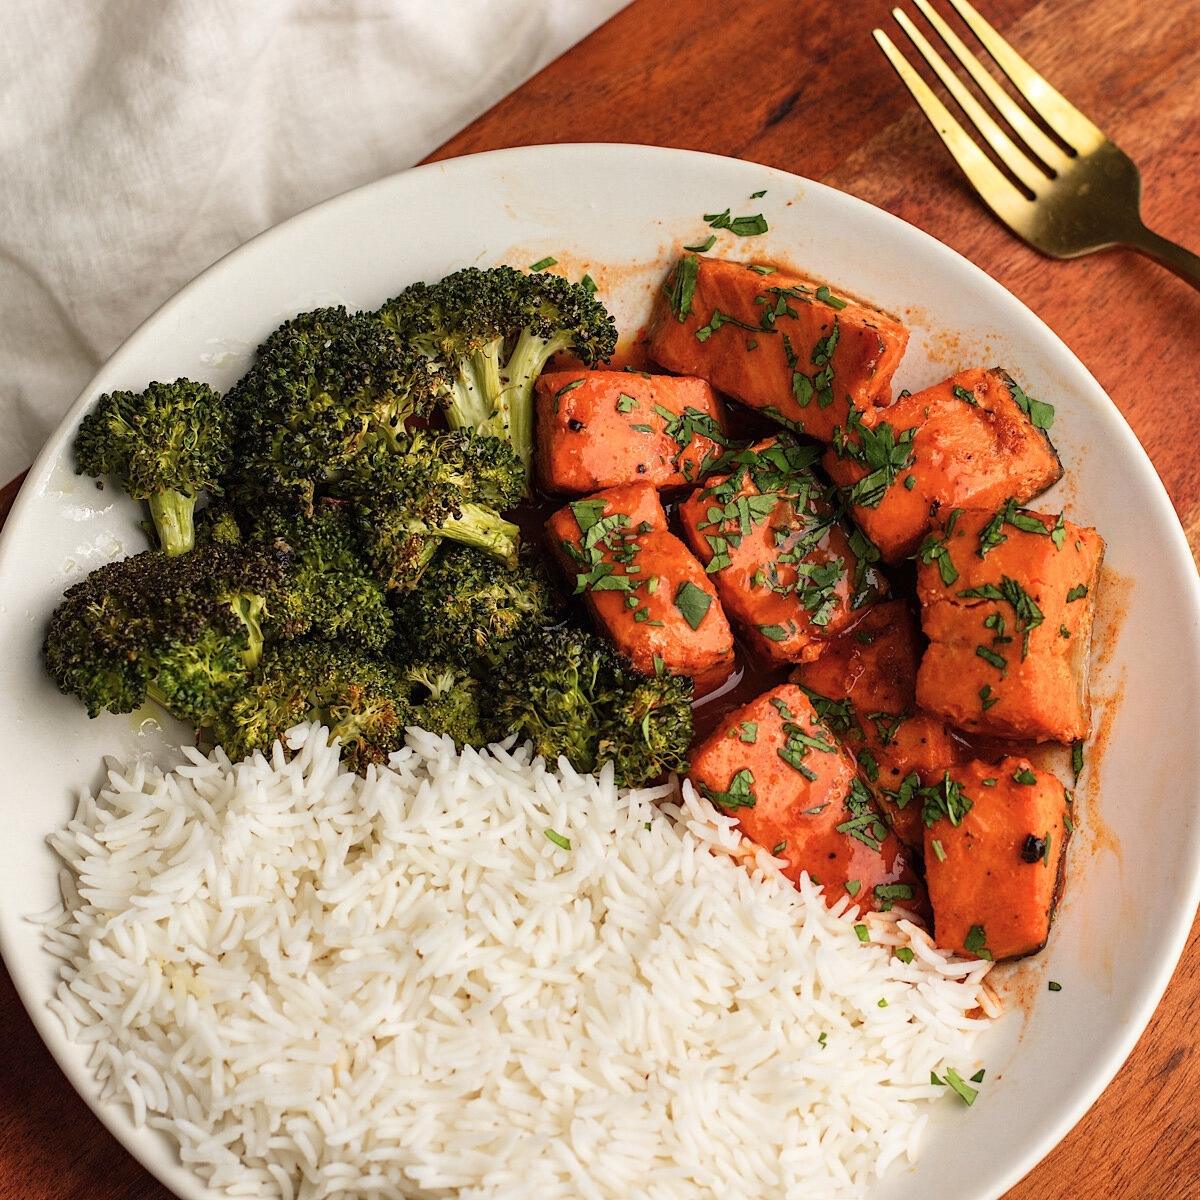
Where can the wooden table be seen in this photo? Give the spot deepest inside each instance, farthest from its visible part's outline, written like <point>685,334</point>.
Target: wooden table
<point>798,84</point>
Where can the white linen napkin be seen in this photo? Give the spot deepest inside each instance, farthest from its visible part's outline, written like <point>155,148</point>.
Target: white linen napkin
<point>142,139</point>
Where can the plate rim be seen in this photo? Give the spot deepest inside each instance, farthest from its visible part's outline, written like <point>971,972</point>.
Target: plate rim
<point>113,1115</point>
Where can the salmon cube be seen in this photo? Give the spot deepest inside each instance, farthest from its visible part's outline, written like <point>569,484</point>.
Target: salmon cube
<point>794,790</point>
<point>642,585</point>
<point>777,341</point>
<point>788,572</point>
<point>864,688</point>
<point>598,429</point>
<point>994,840</point>
<point>972,441</point>
<point>1007,602</point>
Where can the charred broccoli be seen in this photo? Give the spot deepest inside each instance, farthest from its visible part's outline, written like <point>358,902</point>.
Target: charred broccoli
<point>359,699</point>
<point>570,694</point>
<point>163,445</point>
<point>491,332</point>
<point>324,386</point>
<point>445,699</point>
<point>184,631</point>
<point>435,487</point>
<point>469,608</point>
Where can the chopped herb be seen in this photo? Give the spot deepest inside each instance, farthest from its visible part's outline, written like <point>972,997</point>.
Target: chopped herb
<point>882,1003</point>
<point>904,954</point>
<point>1077,758</point>
<point>758,195</point>
<point>1077,592</point>
<point>986,698</point>
<point>887,893</point>
<point>740,793</point>
<point>945,799</point>
<point>1024,775</point>
<point>822,1038</point>
<point>883,454</point>
<point>937,550</point>
<point>1058,535</point>
<point>961,393</point>
<point>659,666</point>
<point>741,226</point>
<point>759,270</point>
<point>543,263</point>
<point>775,633</point>
<point>863,933</point>
<point>988,782</point>
<point>748,732</point>
<point>976,942</point>
<point>910,785</point>
<point>865,824</point>
<point>854,886</point>
<point>990,656</point>
<point>1063,631</point>
<point>625,403</point>
<point>1054,986</point>
<point>1029,615</point>
<point>692,602</point>
<point>978,1076</point>
<point>938,851</point>
<point>1039,412</point>
<point>717,321</point>
<point>587,513</point>
<point>964,1089</point>
<point>910,482</point>
<point>779,848</point>
<point>705,246</point>
<point>934,1079</point>
<point>557,838</point>
<point>681,288</point>
<point>588,284</point>
<point>824,295</point>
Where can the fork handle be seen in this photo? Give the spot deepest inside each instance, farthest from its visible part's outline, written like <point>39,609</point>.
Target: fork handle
<point>1175,258</point>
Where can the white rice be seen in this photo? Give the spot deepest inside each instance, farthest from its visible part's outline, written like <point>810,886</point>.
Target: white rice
<point>325,986</point>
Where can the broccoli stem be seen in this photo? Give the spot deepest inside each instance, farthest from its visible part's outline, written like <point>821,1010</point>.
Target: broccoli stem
<point>514,405</point>
<point>481,527</point>
<point>472,401</point>
<point>250,610</point>
<point>173,512</point>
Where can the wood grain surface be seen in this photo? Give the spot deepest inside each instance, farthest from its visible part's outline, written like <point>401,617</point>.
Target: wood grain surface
<point>799,84</point>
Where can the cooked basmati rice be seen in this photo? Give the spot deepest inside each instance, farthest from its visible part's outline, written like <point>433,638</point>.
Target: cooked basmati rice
<point>407,986</point>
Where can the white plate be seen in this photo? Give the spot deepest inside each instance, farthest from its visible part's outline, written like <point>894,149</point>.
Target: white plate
<point>617,211</point>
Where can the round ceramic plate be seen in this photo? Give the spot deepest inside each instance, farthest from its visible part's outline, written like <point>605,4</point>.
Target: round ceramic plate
<point>617,212</point>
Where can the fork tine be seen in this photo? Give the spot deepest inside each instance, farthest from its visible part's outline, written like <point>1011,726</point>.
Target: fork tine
<point>997,191</point>
<point>1009,153</point>
<point>1055,109</point>
<point>1048,151</point>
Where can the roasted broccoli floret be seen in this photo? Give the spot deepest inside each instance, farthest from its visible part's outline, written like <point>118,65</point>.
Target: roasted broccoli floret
<point>183,631</point>
<point>163,445</point>
<point>445,699</point>
<point>324,386</point>
<point>493,331</point>
<point>407,500</point>
<point>360,699</point>
<point>570,694</point>
<point>469,608</point>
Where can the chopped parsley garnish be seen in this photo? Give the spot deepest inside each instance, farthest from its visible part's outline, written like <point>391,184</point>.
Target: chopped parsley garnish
<point>990,656</point>
<point>1024,775</point>
<point>904,954</point>
<point>741,226</point>
<point>774,633</point>
<point>822,1038</point>
<point>625,403</point>
<point>910,482</point>
<point>748,732</point>
<point>760,270</point>
<point>978,1076</point>
<point>854,886</point>
<point>1029,615</point>
<point>909,789</point>
<point>1077,758</point>
<point>740,793</point>
<point>937,550</point>
<point>863,933</point>
<point>693,603</point>
<point>865,823</point>
<point>1054,985</point>
<point>705,246</point>
<point>961,393</point>
<point>557,838</point>
<point>825,296</point>
<point>588,284</point>
<point>888,893</point>
<point>976,942</point>
<point>717,321</point>
<point>945,799</point>
<point>960,1085</point>
<point>986,698</point>
<point>879,450</point>
<point>758,195</point>
<point>779,848</point>
<point>543,263</point>
<point>1039,412</point>
<point>566,387</point>
<point>938,851</point>
<point>681,288</point>
<point>1077,592</point>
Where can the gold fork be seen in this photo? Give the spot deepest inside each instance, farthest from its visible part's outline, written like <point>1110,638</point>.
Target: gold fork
<point>1066,202</point>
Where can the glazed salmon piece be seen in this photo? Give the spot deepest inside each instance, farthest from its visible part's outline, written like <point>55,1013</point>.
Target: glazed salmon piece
<point>643,586</point>
<point>994,840</point>
<point>972,441</point>
<point>864,688</point>
<point>789,574</point>
<point>598,429</point>
<point>777,341</point>
<point>1007,602</point>
<point>794,790</point>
